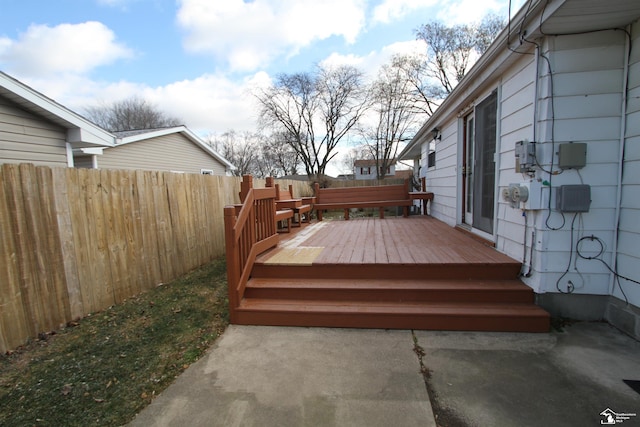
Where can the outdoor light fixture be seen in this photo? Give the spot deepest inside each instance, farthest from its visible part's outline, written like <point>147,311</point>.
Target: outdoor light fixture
<point>436,134</point>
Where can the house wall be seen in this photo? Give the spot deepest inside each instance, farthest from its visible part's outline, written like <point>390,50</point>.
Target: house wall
<point>441,178</point>
<point>516,108</point>
<point>629,235</point>
<point>588,80</point>
<point>172,152</point>
<point>27,138</point>
<point>517,112</point>
<point>628,258</point>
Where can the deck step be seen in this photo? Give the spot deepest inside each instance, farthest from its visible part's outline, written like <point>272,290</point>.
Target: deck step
<point>394,315</point>
<point>443,271</point>
<point>498,291</point>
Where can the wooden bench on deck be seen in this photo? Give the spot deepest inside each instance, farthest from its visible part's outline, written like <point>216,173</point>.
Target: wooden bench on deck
<point>284,200</point>
<point>378,196</point>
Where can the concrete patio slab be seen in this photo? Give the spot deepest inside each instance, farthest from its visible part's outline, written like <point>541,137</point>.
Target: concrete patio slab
<point>563,378</point>
<point>279,376</point>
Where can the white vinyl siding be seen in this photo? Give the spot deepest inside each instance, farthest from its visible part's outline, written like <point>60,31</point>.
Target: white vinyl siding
<point>173,152</point>
<point>629,234</point>
<point>517,98</point>
<point>588,75</point>
<point>441,179</point>
<point>27,138</point>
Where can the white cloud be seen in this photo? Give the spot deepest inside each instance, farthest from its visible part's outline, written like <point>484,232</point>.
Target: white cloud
<point>467,11</point>
<point>372,62</point>
<point>448,11</point>
<point>249,35</point>
<point>392,10</point>
<point>65,48</point>
<point>211,103</point>
<point>208,103</point>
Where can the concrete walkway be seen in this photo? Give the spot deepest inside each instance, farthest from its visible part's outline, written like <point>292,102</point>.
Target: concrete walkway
<point>278,376</point>
<point>272,376</point>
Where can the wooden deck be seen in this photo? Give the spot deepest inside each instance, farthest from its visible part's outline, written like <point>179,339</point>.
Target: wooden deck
<point>416,273</point>
<point>413,240</point>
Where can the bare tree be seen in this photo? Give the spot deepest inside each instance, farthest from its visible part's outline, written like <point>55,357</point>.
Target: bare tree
<point>277,158</point>
<point>315,111</point>
<point>395,119</point>
<point>451,51</point>
<point>241,149</point>
<point>487,31</point>
<point>129,114</point>
<point>423,94</point>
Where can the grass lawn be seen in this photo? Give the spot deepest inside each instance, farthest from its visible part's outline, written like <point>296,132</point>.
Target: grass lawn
<point>105,368</point>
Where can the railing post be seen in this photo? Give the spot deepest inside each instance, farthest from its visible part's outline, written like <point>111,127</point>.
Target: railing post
<point>245,186</point>
<point>233,259</point>
<point>269,182</point>
<point>316,192</point>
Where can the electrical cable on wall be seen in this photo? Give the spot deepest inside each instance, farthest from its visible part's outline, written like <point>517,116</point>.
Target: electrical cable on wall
<point>570,286</point>
<point>598,256</point>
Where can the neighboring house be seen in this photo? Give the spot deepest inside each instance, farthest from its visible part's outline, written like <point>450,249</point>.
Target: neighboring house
<point>175,149</point>
<point>567,77</point>
<point>35,129</point>
<point>367,169</point>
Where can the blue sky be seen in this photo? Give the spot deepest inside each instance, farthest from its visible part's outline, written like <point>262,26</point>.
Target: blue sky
<point>199,59</point>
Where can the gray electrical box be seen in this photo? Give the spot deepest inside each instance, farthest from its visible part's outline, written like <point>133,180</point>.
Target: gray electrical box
<point>573,198</point>
<point>525,152</point>
<point>572,155</point>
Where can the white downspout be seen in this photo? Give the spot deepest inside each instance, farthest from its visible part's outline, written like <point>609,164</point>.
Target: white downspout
<point>69,149</point>
<point>623,131</point>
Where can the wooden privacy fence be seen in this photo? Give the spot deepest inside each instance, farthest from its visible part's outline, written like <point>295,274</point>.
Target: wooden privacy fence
<point>76,241</point>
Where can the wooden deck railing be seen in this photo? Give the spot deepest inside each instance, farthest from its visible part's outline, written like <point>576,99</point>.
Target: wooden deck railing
<point>250,229</point>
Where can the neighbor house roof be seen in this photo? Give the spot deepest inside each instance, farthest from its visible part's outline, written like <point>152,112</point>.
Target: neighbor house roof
<point>80,131</point>
<point>131,136</point>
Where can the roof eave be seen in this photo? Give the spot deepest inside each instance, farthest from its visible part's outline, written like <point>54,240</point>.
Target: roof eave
<point>80,131</point>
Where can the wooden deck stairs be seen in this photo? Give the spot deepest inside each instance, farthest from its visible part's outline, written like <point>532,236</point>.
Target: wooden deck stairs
<point>431,296</point>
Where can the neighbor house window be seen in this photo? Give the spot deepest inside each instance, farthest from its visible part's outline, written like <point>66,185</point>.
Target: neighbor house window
<point>206,171</point>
